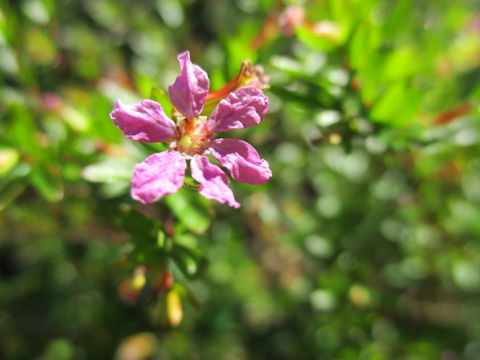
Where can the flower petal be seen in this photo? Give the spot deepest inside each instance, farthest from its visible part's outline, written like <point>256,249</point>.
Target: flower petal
<point>145,121</point>
<point>189,91</point>
<point>242,160</point>
<point>214,182</point>
<point>241,109</point>
<point>158,175</point>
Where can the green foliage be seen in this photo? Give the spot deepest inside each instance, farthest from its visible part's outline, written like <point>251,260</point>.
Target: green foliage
<point>363,245</point>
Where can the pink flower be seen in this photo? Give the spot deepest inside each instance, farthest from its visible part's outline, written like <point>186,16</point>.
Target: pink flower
<point>192,136</point>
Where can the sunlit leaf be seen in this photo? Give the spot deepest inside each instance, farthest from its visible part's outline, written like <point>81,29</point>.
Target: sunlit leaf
<point>8,159</point>
<point>171,12</point>
<point>110,171</point>
<point>315,41</point>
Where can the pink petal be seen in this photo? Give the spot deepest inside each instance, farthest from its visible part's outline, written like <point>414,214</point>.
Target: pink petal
<point>145,121</point>
<point>214,182</point>
<point>189,91</point>
<point>158,175</point>
<point>242,160</point>
<point>241,109</point>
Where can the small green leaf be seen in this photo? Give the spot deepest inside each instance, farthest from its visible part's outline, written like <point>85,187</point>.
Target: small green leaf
<point>46,179</point>
<point>314,41</point>
<point>22,130</point>
<point>10,192</point>
<point>114,190</point>
<point>76,119</point>
<point>139,225</point>
<point>19,171</point>
<point>171,12</point>
<point>8,158</point>
<point>146,238</point>
<point>109,171</point>
<point>186,209</point>
<point>397,105</point>
<point>190,262</point>
<point>147,256</point>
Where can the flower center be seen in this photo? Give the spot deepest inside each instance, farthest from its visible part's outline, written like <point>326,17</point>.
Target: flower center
<point>194,136</point>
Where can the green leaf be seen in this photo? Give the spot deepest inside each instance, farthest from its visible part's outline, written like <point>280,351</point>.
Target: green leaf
<point>18,172</point>
<point>115,190</point>
<point>139,225</point>
<point>8,159</point>
<point>78,120</point>
<point>147,255</point>
<point>161,97</point>
<point>343,13</point>
<point>186,208</point>
<point>103,126</point>
<point>190,261</point>
<point>46,179</point>
<point>398,18</point>
<point>171,12</point>
<point>365,40</point>
<point>10,192</point>
<point>146,236</point>
<point>397,105</point>
<point>155,147</point>
<point>187,293</point>
<point>314,41</point>
<point>109,171</point>
<point>22,130</point>
<point>401,63</point>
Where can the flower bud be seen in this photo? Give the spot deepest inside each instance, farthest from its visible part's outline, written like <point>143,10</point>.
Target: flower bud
<point>248,75</point>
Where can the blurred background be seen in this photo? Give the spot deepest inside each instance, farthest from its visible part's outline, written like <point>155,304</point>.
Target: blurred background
<point>365,244</point>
